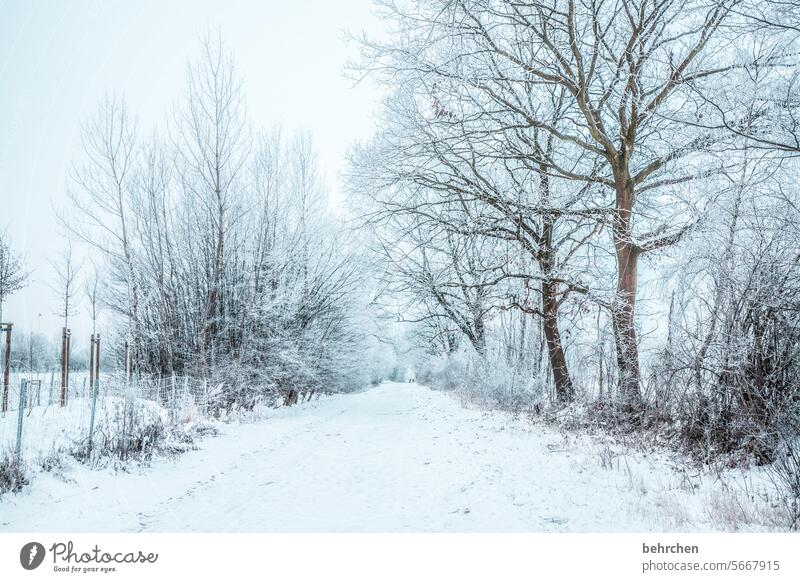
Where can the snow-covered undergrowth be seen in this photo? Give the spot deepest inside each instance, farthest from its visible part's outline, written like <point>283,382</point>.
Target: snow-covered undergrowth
<point>127,430</point>
<point>726,494</point>
<point>12,473</point>
<point>754,493</point>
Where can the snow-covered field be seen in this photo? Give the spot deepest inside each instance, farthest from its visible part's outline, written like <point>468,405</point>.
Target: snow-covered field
<point>397,457</point>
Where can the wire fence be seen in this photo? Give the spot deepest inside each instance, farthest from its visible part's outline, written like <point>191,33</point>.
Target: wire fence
<point>43,388</point>
<point>36,424</point>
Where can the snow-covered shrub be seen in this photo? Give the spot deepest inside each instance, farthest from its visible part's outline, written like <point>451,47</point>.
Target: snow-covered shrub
<point>135,430</point>
<point>201,429</point>
<point>757,380</point>
<point>181,438</point>
<point>729,371</point>
<point>733,509</point>
<point>505,386</point>
<point>13,476</point>
<point>126,429</point>
<point>55,463</point>
<point>51,462</point>
<point>492,381</point>
<point>234,394</point>
<point>785,470</point>
<point>445,371</point>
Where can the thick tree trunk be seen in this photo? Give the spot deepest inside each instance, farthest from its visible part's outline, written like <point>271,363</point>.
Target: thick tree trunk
<point>565,391</point>
<point>479,341</point>
<point>623,308</point>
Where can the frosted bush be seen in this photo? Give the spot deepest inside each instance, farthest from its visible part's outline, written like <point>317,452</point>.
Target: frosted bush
<point>126,429</point>
<point>491,381</point>
<point>12,473</point>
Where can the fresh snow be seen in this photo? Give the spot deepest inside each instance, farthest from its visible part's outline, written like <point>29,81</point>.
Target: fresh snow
<point>397,457</point>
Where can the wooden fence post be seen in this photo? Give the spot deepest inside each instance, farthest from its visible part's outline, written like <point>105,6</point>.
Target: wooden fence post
<point>65,349</point>
<point>6,327</point>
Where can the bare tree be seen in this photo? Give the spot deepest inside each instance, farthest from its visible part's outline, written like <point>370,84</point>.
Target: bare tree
<point>213,146</point>
<point>102,215</point>
<point>92,290</point>
<point>13,275</point>
<point>66,270</point>
<point>443,279</point>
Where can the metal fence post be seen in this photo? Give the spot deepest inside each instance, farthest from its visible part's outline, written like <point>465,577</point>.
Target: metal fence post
<point>23,385</point>
<point>97,358</point>
<point>62,400</point>
<point>91,364</point>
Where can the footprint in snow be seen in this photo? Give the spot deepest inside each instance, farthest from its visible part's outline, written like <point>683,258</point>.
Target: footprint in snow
<point>555,520</point>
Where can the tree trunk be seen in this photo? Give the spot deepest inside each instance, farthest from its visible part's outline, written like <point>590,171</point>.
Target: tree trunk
<point>623,308</point>
<point>214,311</point>
<point>565,391</point>
<point>479,341</point>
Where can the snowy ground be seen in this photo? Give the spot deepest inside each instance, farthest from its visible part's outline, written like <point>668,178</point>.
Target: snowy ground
<point>398,457</point>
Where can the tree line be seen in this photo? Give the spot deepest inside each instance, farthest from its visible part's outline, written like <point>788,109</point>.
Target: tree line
<point>220,256</point>
<point>536,161</point>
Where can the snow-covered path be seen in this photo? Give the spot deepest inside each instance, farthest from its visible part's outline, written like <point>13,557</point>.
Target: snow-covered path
<point>398,457</point>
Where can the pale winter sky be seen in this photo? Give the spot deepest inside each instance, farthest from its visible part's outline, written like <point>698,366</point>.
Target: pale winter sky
<point>59,59</point>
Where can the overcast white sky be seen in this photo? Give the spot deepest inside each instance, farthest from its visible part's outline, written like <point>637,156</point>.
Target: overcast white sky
<point>59,59</point>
